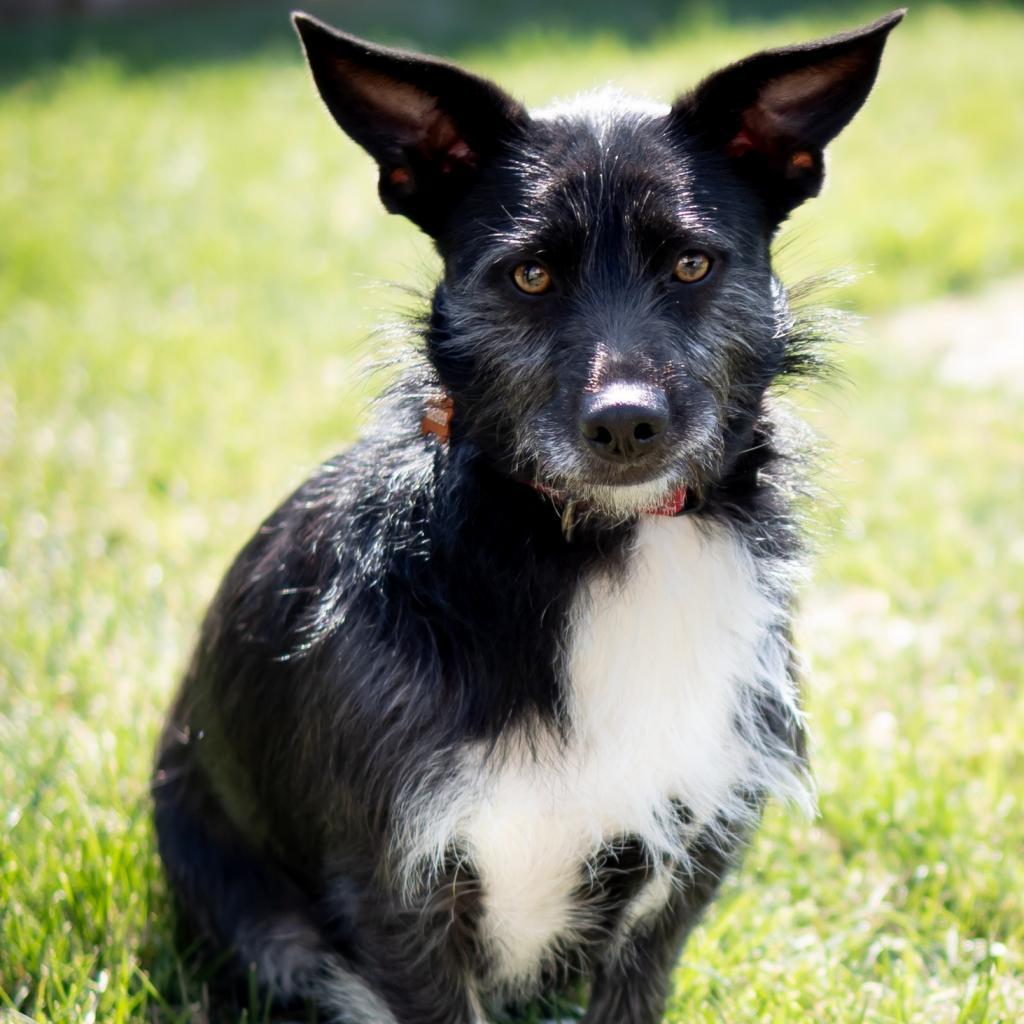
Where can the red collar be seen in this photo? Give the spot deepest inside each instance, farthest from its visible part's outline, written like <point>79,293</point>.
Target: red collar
<point>672,505</point>
<point>437,420</point>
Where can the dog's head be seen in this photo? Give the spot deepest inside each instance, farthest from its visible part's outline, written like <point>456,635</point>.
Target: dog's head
<point>608,322</point>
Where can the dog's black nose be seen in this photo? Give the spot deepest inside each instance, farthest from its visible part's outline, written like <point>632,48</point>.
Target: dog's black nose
<point>623,422</point>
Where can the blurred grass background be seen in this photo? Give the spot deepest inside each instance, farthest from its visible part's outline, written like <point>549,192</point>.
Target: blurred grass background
<point>191,261</point>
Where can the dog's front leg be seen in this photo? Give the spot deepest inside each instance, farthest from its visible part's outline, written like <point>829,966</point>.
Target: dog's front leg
<point>410,959</point>
<point>403,987</point>
<point>634,985</point>
<point>634,988</point>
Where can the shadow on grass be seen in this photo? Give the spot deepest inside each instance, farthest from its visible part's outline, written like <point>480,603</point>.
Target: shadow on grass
<point>196,33</point>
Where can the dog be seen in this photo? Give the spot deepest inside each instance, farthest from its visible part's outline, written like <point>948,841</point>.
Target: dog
<point>485,711</point>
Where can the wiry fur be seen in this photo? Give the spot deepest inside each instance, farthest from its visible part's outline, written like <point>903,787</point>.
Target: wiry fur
<point>466,726</point>
<point>668,668</point>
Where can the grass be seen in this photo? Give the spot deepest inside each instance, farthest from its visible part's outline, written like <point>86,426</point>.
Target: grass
<point>189,261</point>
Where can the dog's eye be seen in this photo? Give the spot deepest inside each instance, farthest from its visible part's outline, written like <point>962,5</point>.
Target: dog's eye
<point>531,278</point>
<point>692,267</point>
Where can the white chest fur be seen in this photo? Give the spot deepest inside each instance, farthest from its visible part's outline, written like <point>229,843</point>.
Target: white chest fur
<point>664,661</point>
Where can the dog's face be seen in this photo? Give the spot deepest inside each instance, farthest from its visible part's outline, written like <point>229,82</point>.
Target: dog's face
<point>608,322</point>
<point>609,299</point>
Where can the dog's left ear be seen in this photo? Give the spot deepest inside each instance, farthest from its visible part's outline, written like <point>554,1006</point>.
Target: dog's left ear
<point>774,113</point>
<point>428,124</point>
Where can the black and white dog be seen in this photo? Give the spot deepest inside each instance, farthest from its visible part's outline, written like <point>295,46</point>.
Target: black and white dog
<point>485,710</point>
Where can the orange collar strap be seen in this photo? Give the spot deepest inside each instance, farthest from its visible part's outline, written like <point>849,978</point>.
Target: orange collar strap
<point>437,416</point>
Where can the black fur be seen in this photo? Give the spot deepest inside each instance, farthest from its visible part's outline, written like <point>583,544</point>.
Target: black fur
<point>413,596</point>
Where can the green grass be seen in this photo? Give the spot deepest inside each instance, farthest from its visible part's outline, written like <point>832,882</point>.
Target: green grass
<point>189,267</point>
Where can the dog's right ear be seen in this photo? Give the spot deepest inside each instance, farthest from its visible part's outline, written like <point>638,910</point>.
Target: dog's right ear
<point>428,124</point>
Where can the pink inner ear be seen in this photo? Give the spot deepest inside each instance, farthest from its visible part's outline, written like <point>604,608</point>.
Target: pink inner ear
<point>763,130</point>
<point>408,110</point>
<point>787,107</point>
<point>414,116</point>
<point>790,95</point>
<point>740,144</point>
<point>459,155</point>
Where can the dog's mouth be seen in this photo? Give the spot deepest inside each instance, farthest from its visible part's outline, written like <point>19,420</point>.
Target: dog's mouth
<point>659,497</point>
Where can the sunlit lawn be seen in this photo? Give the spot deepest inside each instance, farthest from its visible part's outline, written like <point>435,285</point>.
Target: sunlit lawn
<point>190,264</point>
